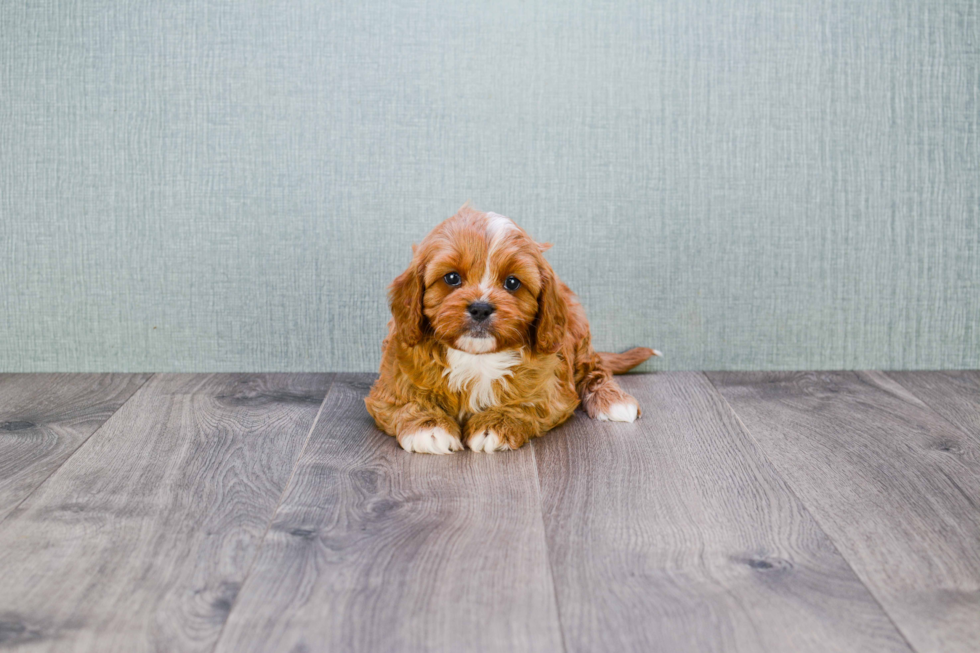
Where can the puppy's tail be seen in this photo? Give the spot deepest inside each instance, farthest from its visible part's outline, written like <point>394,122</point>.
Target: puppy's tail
<point>619,363</point>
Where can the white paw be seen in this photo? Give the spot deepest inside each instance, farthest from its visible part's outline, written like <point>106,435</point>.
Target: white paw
<point>486,441</point>
<point>619,412</point>
<point>430,440</point>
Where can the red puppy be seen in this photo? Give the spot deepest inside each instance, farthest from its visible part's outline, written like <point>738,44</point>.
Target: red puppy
<point>487,346</point>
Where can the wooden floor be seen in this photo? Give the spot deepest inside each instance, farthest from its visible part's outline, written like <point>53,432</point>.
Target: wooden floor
<point>744,512</point>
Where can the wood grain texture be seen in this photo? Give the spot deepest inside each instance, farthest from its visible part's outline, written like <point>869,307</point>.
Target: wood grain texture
<point>140,541</point>
<point>376,549</point>
<point>43,420</point>
<point>894,485</point>
<point>953,394</point>
<point>675,534</point>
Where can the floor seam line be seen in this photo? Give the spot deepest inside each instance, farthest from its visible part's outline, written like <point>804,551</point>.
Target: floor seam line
<point>78,448</point>
<point>272,516</point>
<point>929,406</point>
<point>547,547</point>
<point>805,507</point>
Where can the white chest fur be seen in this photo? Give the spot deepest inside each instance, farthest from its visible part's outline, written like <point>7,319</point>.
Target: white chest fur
<point>476,373</point>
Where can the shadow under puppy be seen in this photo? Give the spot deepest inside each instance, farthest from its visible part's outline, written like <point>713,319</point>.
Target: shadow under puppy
<point>487,346</point>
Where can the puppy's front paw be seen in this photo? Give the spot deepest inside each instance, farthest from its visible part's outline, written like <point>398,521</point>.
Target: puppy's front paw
<point>433,439</point>
<point>620,411</point>
<point>487,441</point>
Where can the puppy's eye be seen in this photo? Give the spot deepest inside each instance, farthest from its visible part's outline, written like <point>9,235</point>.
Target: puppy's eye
<point>452,279</point>
<point>512,283</point>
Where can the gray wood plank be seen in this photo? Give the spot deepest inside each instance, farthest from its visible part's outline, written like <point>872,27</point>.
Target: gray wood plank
<point>894,485</point>
<point>675,534</point>
<point>140,541</point>
<point>376,549</point>
<point>43,420</point>
<point>954,394</point>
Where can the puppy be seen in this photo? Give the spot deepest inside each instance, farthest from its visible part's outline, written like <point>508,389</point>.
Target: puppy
<point>487,346</point>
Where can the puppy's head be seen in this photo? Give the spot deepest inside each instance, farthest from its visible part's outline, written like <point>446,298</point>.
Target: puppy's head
<point>480,284</point>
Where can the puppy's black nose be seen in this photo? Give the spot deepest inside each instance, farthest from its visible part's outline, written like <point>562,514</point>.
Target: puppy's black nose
<point>480,311</point>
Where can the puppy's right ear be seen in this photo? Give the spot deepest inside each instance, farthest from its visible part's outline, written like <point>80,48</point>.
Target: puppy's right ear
<point>552,319</point>
<point>405,294</point>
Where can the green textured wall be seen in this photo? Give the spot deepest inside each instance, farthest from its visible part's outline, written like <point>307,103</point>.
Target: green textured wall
<point>230,185</point>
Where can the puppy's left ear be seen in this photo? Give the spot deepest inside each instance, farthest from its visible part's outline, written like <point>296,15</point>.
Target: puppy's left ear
<point>552,319</point>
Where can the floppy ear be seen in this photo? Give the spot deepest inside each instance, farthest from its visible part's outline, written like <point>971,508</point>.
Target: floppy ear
<point>552,315</point>
<point>405,294</point>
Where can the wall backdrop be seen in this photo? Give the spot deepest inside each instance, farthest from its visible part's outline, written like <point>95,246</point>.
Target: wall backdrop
<point>230,185</point>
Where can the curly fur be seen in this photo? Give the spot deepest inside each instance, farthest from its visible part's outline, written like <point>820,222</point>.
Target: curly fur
<point>446,379</point>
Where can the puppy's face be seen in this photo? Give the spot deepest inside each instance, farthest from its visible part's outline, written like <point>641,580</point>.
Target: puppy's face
<point>479,283</point>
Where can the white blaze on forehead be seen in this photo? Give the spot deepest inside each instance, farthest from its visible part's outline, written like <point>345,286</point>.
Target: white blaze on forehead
<point>498,226</point>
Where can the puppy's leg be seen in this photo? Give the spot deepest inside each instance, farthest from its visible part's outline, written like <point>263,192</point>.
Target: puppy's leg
<point>499,429</point>
<point>418,426</point>
<point>423,430</point>
<point>605,401</point>
<point>510,427</point>
<point>601,396</point>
